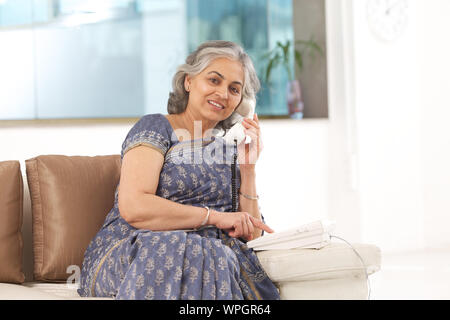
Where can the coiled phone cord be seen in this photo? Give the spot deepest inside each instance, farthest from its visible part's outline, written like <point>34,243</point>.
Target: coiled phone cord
<point>234,179</point>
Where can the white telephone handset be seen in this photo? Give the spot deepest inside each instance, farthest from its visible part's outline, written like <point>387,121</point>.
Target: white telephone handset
<point>246,110</point>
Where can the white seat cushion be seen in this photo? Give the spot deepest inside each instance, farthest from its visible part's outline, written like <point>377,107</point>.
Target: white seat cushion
<point>62,290</point>
<point>40,291</point>
<point>336,260</point>
<point>10,291</point>
<point>333,272</point>
<point>350,288</point>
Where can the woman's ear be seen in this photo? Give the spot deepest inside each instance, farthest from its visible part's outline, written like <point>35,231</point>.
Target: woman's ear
<point>187,83</point>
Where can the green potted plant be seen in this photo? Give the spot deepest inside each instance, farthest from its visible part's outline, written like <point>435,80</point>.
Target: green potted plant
<point>281,55</point>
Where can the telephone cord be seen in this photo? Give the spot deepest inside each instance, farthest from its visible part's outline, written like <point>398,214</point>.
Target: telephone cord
<point>233,179</point>
<point>362,261</point>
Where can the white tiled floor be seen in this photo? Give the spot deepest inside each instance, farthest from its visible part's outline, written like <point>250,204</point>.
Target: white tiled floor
<point>421,275</point>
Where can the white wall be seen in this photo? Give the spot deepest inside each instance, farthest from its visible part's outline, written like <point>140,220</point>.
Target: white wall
<point>388,130</point>
<point>344,197</point>
<point>292,175</point>
<point>389,141</point>
<point>434,50</point>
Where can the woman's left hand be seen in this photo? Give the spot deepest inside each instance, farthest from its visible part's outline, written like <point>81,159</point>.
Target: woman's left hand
<point>248,154</point>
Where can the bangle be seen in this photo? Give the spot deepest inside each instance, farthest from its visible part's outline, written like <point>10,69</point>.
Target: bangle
<point>207,217</point>
<point>249,197</point>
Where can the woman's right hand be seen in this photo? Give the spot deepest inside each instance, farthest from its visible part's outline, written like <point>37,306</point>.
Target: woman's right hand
<point>237,224</point>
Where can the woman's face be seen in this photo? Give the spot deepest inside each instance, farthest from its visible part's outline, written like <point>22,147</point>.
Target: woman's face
<point>217,90</point>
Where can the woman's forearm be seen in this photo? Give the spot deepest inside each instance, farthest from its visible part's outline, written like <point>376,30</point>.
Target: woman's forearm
<point>152,212</point>
<point>248,187</point>
<point>149,211</point>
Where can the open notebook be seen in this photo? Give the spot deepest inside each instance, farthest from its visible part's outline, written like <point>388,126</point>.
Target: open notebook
<point>311,235</point>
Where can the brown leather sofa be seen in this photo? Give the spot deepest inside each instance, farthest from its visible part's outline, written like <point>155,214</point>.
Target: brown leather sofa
<point>47,222</point>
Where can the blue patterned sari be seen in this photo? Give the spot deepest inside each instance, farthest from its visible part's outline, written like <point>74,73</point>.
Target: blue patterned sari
<point>124,262</point>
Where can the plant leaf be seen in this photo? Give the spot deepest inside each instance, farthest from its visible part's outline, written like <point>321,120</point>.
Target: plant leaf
<point>301,42</point>
<point>273,63</point>
<point>267,55</point>
<point>317,48</point>
<point>286,51</point>
<point>299,60</point>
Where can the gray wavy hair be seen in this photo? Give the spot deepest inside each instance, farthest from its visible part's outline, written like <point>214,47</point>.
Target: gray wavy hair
<point>197,61</point>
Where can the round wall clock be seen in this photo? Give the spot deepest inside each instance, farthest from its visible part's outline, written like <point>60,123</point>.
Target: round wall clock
<point>387,19</point>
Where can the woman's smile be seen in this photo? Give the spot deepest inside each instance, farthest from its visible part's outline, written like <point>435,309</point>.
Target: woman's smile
<point>216,105</point>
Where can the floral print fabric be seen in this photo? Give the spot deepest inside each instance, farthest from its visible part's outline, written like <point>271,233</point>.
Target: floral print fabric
<point>128,263</point>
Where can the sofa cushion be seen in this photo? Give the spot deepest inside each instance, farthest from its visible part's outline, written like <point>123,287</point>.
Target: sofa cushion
<point>348,288</point>
<point>61,290</point>
<point>11,210</point>
<point>21,292</point>
<point>42,291</point>
<point>70,198</point>
<point>336,260</point>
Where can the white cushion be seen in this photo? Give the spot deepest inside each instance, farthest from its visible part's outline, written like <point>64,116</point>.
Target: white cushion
<point>349,288</point>
<point>10,291</point>
<point>334,272</point>
<point>62,290</point>
<point>40,291</point>
<point>336,260</point>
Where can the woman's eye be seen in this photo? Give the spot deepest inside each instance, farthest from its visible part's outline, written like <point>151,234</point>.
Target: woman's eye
<point>235,90</point>
<point>214,80</point>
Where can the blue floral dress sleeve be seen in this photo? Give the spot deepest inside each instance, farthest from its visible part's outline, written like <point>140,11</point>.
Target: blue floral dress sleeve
<point>151,131</point>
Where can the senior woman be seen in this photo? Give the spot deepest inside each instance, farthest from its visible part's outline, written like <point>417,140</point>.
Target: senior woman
<point>172,233</point>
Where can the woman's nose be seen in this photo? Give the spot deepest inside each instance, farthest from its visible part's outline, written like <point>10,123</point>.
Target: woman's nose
<point>222,91</point>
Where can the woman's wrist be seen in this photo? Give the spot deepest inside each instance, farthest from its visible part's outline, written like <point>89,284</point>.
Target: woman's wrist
<point>212,217</point>
<point>247,170</point>
<point>247,188</point>
<point>249,196</point>
<point>206,219</point>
